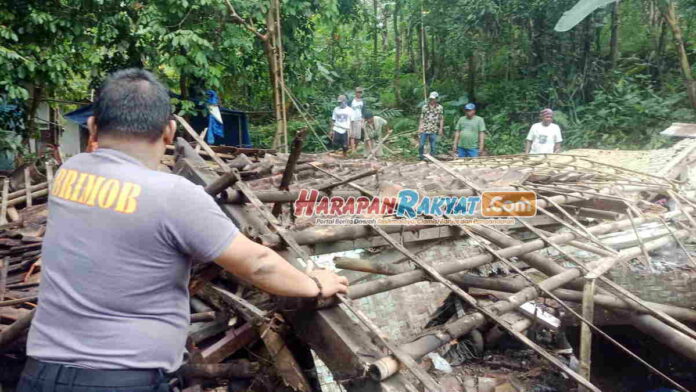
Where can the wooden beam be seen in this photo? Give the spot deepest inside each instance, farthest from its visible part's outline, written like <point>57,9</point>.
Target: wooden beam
<point>234,339</point>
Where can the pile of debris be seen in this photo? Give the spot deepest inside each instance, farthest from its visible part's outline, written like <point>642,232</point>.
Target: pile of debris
<point>482,307</point>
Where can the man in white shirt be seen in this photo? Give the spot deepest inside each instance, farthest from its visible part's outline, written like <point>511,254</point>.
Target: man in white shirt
<point>341,122</point>
<point>544,137</point>
<point>355,132</point>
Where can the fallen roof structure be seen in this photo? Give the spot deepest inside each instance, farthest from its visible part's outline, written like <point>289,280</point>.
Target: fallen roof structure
<point>580,201</point>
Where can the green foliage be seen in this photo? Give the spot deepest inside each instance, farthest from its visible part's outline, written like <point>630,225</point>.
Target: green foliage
<point>628,115</point>
<point>64,48</point>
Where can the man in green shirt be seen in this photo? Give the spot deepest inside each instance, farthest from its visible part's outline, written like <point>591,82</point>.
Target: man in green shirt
<point>470,133</point>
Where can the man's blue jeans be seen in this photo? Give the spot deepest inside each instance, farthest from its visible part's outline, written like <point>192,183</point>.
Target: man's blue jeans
<point>467,152</point>
<point>424,137</point>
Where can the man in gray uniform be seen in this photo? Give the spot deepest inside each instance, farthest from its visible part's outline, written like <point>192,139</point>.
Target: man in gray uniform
<point>119,245</point>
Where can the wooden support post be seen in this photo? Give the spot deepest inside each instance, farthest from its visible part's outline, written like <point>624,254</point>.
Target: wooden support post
<point>5,194</point>
<point>285,182</point>
<point>283,360</point>
<point>585,332</point>
<point>27,185</point>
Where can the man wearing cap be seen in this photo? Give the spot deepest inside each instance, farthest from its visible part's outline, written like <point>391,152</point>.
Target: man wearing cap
<point>341,122</point>
<point>544,137</point>
<point>120,243</point>
<point>432,121</point>
<point>470,133</point>
<point>355,132</point>
<point>373,132</point>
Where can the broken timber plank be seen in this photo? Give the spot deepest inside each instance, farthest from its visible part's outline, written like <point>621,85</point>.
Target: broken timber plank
<point>234,339</point>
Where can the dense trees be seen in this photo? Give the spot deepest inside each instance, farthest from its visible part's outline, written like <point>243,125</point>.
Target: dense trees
<point>620,75</point>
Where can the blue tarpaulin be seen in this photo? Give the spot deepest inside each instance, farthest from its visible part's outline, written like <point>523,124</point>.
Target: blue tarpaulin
<point>80,115</point>
<point>215,126</point>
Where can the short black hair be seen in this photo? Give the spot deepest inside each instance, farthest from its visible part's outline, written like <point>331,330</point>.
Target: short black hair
<point>368,115</point>
<point>132,103</point>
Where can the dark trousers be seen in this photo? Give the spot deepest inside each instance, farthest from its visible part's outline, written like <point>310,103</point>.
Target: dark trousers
<point>340,140</point>
<point>427,137</point>
<point>39,376</point>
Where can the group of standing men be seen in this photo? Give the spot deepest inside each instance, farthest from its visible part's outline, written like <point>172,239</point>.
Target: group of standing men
<point>350,119</point>
<point>470,131</point>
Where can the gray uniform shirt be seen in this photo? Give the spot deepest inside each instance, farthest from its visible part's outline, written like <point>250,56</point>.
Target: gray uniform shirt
<point>116,262</point>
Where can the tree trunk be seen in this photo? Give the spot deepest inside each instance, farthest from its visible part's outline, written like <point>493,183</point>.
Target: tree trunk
<point>397,50</point>
<point>660,53</point>
<point>614,45</point>
<point>432,59</point>
<point>374,31</point>
<point>272,50</point>
<point>586,54</point>
<point>411,53</point>
<point>669,13</point>
<point>36,96</point>
<point>422,40</point>
<point>471,86</point>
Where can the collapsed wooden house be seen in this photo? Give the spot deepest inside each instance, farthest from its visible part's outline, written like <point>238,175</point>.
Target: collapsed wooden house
<point>488,280</point>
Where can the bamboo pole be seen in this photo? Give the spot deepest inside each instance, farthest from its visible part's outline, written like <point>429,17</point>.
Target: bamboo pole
<point>18,301</point>
<point>585,332</point>
<point>325,188</point>
<point>27,185</point>
<point>431,341</point>
<point>666,322</point>
<point>679,241</point>
<point>585,322</point>
<point>629,212</point>
<point>5,194</point>
<point>49,175</point>
<point>281,72</point>
<point>392,282</point>
<point>379,370</point>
